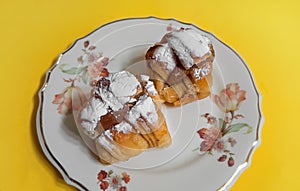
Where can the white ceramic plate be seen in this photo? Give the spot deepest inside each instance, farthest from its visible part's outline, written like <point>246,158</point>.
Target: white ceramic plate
<point>178,167</point>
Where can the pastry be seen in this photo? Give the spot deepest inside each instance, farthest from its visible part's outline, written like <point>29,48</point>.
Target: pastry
<point>123,117</point>
<point>181,66</point>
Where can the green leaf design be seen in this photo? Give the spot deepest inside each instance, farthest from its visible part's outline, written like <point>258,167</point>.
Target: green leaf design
<point>72,70</point>
<point>85,76</point>
<point>237,127</point>
<point>110,172</point>
<point>82,69</point>
<point>222,124</point>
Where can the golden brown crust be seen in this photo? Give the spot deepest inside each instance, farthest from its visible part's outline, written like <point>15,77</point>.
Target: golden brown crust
<point>130,144</point>
<point>116,145</point>
<point>181,86</point>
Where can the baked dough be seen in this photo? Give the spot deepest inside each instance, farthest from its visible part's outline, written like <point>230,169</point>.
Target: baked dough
<point>181,66</point>
<point>123,117</point>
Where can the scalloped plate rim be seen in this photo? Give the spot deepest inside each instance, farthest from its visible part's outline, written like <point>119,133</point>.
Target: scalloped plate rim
<point>69,180</point>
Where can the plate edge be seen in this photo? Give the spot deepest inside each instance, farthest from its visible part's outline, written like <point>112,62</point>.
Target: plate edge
<point>41,137</point>
<point>241,168</point>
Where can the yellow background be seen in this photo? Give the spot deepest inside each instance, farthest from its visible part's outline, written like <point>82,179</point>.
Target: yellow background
<point>265,33</point>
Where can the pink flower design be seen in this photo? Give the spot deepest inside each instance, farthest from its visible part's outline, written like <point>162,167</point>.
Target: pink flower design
<point>210,119</point>
<point>98,69</point>
<point>230,98</point>
<point>209,136</point>
<point>113,181</point>
<point>86,44</point>
<point>92,47</point>
<point>230,162</point>
<point>170,27</point>
<point>126,177</point>
<point>91,57</point>
<point>92,65</point>
<point>219,146</point>
<point>122,188</point>
<point>229,101</point>
<point>80,59</point>
<point>102,175</point>
<point>65,102</point>
<point>232,141</point>
<point>222,158</point>
<point>104,185</point>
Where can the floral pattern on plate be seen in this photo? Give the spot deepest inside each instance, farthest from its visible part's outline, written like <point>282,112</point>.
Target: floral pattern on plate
<point>56,96</point>
<point>92,64</point>
<point>110,180</point>
<point>215,138</point>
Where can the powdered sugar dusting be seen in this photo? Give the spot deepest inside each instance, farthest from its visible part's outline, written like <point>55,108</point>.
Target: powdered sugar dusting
<point>123,127</point>
<point>193,41</point>
<point>123,85</point>
<point>112,94</point>
<point>188,44</point>
<point>164,54</point>
<point>109,98</point>
<point>145,107</point>
<point>149,85</point>
<point>90,115</point>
